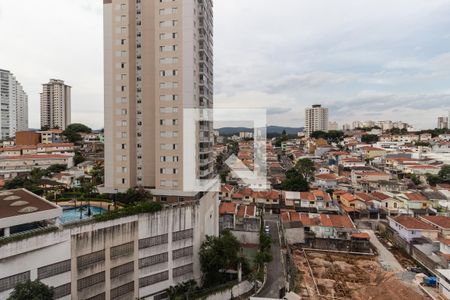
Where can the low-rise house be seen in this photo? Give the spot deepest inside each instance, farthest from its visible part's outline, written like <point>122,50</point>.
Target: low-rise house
<point>410,228</point>
<point>326,181</point>
<point>313,201</point>
<point>369,152</point>
<point>414,201</point>
<point>442,223</point>
<point>12,166</point>
<point>226,191</point>
<point>242,220</point>
<point>321,225</point>
<point>390,203</point>
<point>51,136</point>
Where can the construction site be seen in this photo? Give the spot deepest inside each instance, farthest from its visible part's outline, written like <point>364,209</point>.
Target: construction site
<point>327,275</point>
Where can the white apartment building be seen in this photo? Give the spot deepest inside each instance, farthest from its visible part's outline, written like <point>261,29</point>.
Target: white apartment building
<point>158,62</point>
<point>55,105</point>
<point>134,257</point>
<point>14,106</point>
<point>443,122</point>
<point>316,119</point>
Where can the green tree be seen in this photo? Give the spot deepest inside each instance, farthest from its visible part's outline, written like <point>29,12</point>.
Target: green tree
<point>444,174</point>
<point>295,181</point>
<point>219,254</point>
<point>415,179</point>
<point>72,132</point>
<point>306,168</point>
<point>32,290</point>
<point>80,128</point>
<point>56,168</point>
<point>97,173</point>
<point>78,158</point>
<point>369,138</point>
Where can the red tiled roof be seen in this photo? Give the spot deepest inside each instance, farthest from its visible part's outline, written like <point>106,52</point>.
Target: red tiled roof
<point>326,177</point>
<point>412,223</point>
<point>415,196</point>
<point>241,211</point>
<point>360,235</point>
<point>307,196</point>
<point>55,145</point>
<point>227,208</point>
<point>226,188</point>
<point>380,196</point>
<point>441,221</point>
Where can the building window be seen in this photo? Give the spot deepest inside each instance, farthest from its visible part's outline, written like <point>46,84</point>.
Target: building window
<point>54,269</point>
<point>122,290</point>
<point>88,260</point>
<point>152,279</point>
<point>122,269</point>
<point>10,282</point>
<point>183,270</point>
<point>153,241</point>
<point>188,251</point>
<point>91,280</point>
<point>62,291</point>
<point>183,234</point>
<point>153,260</point>
<point>122,250</point>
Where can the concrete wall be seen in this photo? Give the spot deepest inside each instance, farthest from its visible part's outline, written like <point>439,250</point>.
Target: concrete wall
<point>294,235</point>
<point>246,237</point>
<point>231,293</point>
<point>76,242</point>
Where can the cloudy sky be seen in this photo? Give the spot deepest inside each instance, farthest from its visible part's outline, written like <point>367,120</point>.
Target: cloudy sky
<point>371,59</point>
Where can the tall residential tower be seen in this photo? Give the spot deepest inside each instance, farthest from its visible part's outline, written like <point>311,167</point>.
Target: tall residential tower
<point>316,119</point>
<point>14,104</point>
<point>158,62</point>
<point>55,104</point>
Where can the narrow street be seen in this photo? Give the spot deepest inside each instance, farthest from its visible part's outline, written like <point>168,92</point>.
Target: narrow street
<point>386,258</point>
<point>275,269</point>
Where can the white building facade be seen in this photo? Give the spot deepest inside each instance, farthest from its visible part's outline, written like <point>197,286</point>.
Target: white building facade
<point>14,106</point>
<point>55,105</point>
<point>316,119</point>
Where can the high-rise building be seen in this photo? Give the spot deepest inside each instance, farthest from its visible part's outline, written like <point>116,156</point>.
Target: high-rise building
<point>55,104</point>
<point>158,62</point>
<point>14,103</point>
<point>443,122</point>
<point>316,119</point>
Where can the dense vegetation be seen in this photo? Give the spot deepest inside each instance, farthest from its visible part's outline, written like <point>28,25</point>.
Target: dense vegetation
<point>370,138</point>
<point>219,254</point>
<point>32,290</point>
<point>72,132</point>
<point>442,177</point>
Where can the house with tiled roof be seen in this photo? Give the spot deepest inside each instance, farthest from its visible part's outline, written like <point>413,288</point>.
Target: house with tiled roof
<point>442,223</point>
<point>414,200</point>
<point>410,228</point>
<point>319,225</point>
<point>313,201</point>
<point>326,181</point>
<point>226,191</point>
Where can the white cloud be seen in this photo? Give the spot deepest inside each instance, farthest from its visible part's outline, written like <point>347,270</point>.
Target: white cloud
<point>284,56</point>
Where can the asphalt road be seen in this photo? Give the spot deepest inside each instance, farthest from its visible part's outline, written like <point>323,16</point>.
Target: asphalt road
<point>275,272</point>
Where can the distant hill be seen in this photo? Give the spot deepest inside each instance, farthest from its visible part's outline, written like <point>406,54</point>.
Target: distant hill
<point>271,130</point>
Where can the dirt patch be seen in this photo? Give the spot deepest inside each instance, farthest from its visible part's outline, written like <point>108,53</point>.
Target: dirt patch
<point>349,277</point>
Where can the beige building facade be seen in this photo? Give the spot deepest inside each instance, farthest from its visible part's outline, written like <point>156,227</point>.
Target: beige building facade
<point>158,62</point>
<point>55,105</point>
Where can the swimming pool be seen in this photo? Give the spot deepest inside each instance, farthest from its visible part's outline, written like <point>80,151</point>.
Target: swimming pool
<point>72,214</point>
